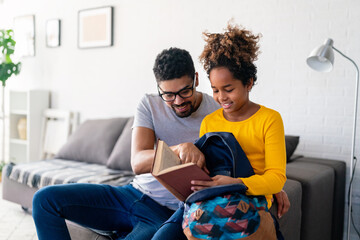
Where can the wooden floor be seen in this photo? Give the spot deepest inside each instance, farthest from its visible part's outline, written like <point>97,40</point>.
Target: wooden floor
<point>15,224</point>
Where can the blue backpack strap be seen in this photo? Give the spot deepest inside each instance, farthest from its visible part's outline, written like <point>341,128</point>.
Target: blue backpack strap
<point>207,193</point>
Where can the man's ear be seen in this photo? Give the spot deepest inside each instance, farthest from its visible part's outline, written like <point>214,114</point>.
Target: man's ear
<point>196,79</point>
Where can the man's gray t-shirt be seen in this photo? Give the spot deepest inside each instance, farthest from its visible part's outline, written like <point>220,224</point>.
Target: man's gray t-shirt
<point>152,112</point>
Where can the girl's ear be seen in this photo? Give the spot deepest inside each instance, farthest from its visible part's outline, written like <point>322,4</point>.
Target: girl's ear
<point>250,84</point>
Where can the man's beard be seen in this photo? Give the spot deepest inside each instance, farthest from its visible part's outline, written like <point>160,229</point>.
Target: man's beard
<point>183,114</point>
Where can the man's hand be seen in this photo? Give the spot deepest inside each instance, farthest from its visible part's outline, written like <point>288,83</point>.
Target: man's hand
<point>283,203</point>
<point>188,152</point>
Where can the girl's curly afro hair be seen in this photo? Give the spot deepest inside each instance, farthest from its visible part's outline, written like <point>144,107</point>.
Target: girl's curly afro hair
<point>235,49</point>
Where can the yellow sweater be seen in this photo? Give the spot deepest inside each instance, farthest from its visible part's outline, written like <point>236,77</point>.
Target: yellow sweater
<point>262,138</point>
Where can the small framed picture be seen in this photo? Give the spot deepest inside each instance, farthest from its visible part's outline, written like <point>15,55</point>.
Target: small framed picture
<point>95,27</point>
<point>53,28</point>
<point>24,35</point>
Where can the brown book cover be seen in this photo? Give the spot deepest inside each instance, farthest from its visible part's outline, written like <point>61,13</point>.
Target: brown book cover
<point>176,177</point>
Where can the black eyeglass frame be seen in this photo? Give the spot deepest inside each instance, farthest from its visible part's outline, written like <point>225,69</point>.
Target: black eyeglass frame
<point>177,93</point>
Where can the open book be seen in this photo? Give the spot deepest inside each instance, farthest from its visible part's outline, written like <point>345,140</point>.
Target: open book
<point>176,177</point>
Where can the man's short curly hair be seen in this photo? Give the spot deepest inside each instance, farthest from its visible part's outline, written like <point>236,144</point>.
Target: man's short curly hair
<point>173,63</point>
<point>235,49</point>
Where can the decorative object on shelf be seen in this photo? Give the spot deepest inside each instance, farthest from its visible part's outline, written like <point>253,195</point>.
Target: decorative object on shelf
<point>24,29</point>
<point>95,27</point>
<point>31,105</point>
<point>7,68</point>
<point>322,59</point>
<point>22,128</point>
<point>53,33</point>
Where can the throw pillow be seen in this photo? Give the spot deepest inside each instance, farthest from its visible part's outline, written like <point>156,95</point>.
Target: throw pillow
<point>121,155</point>
<point>291,143</point>
<point>93,141</point>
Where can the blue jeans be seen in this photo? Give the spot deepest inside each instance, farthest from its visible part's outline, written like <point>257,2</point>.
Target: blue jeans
<point>124,211</point>
<point>172,227</point>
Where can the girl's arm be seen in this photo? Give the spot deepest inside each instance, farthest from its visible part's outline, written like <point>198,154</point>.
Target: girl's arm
<point>273,176</point>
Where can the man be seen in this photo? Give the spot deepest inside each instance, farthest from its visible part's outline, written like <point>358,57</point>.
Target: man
<point>137,210</point>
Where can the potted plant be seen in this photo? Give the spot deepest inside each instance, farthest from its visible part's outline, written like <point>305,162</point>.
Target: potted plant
<point>7,68</point>
<point>7,47</point>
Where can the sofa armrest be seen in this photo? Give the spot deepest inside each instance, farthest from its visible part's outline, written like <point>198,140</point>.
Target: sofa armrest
<point>317,183</point>
<point>339,167</point>
<point>17,192</point>
<point>290,223</point>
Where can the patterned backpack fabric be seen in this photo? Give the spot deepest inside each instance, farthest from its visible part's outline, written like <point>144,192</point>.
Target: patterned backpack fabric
<point>230,216</point>
<point>225,212</point>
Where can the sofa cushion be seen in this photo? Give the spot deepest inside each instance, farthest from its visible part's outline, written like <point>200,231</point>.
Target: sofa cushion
<point>39,174</point>
<point>79,232</point>
<point>93,141</point>
<point>291,143</point>
<point>121,154</point>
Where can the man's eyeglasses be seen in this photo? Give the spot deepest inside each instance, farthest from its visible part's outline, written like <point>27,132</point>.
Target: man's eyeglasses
<point>186,92</point>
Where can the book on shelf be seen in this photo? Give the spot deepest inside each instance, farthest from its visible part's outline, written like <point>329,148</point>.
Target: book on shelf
<point>172,174</point>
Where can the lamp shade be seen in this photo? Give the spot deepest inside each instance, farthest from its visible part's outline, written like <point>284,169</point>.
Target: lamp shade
<point>322,58</point>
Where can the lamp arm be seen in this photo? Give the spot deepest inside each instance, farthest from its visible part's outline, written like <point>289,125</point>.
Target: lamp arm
<point>353,62</point>
<point>353,141</point>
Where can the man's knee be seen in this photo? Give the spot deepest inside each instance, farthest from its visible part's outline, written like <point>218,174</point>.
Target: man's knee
<point>42,198</point>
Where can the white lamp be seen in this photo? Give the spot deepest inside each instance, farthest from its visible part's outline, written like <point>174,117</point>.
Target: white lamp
<point>322,59</point>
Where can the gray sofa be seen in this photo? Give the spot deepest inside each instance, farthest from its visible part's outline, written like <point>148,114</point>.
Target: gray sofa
<point>99,152</point>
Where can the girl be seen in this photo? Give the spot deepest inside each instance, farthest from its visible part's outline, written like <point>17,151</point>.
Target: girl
<point>228,59</point>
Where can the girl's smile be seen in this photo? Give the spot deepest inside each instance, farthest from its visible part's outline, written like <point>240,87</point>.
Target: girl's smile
<point>232,94</point>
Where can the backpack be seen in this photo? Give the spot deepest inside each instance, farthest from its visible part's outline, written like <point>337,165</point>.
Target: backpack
<point>226,212</point>
<point>224,155</point>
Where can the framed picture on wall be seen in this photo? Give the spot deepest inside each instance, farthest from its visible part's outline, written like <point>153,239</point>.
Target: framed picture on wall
<point>24,35</point>
<point>53,27</point>
<point>95,27</point>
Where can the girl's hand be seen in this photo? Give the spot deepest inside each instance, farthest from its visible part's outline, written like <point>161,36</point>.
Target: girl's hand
<point>283,203</point>
<point>216,181</point>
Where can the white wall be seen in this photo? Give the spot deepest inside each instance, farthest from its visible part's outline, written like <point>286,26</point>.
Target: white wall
<point>107,82</point>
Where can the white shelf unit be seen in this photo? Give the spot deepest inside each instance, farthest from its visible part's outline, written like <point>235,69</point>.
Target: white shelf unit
<point>30,105</point>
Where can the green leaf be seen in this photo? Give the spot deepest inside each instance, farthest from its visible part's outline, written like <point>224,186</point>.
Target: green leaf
<point>7,48</point>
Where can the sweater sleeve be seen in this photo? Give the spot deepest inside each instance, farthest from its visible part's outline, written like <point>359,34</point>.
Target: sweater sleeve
<point>273,178</point>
